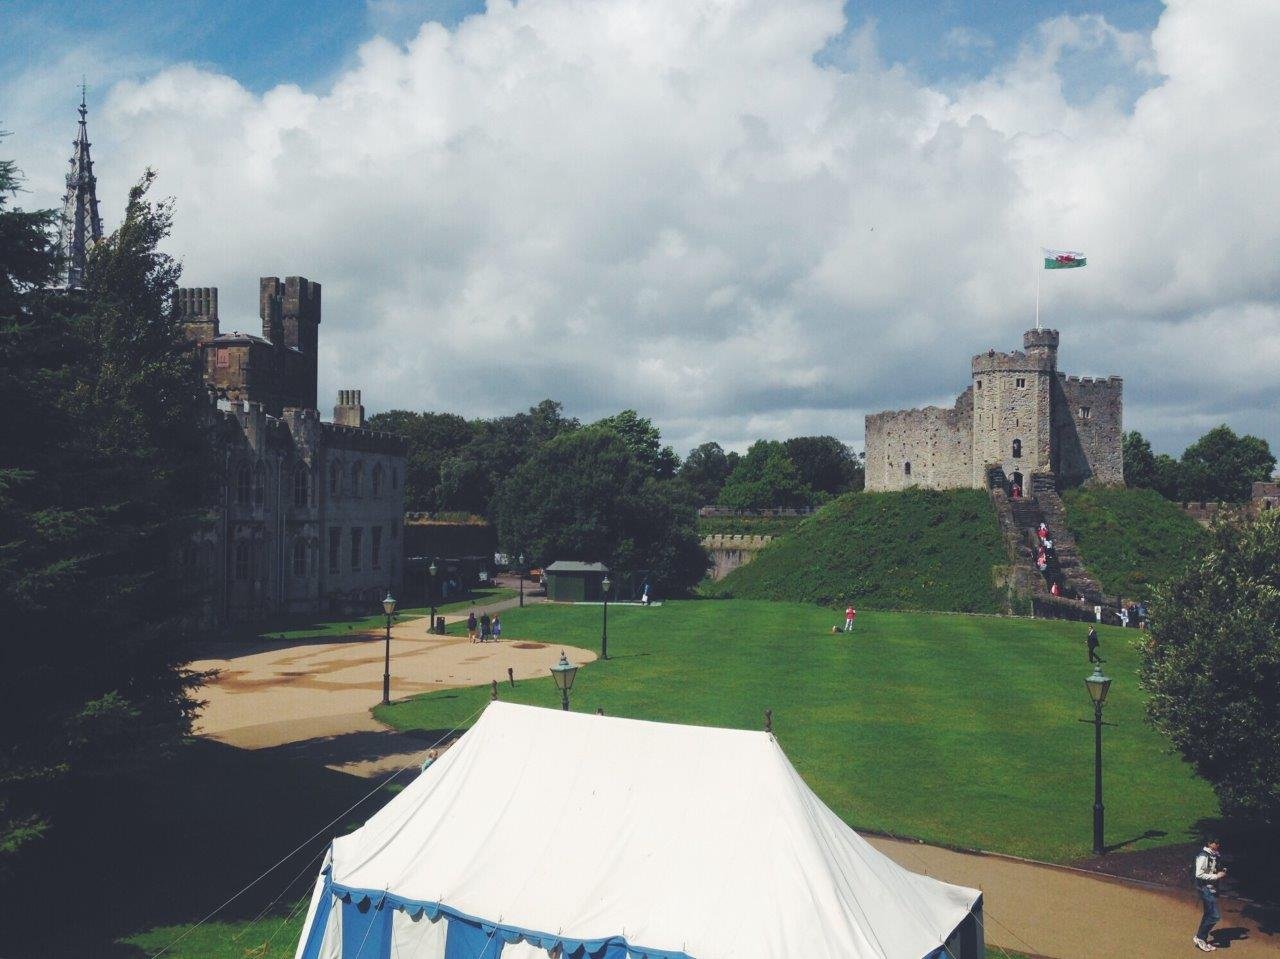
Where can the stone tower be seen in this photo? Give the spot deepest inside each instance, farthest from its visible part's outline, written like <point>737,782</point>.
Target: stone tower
<point>81,226</point>
<point>290,313</point>
<point>1012,411</point>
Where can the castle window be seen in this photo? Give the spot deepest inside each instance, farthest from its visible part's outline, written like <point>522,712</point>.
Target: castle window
<point>377,480</point>
<point>299,557</point>
<point>259,485</point>
<point>242,560</point>
<point>335,543</point>
<point>1085,412</point>
<point>300,486</point>
<point>979,384</point>
<point>357,474</point>
<point>223,358</point>
<point>906,468</point>
<point>244,485</point>
<point>375,548</point>
<point>1021,382</point>
<point>357,543</point>
<point>1017,449</point>
<point>395,478</point>
<point>335,478</point>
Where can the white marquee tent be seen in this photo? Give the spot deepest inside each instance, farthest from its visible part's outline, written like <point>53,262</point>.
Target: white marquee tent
<point>591,837</point>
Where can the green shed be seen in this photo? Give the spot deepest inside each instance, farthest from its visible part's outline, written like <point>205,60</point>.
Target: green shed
<point>572,582</point>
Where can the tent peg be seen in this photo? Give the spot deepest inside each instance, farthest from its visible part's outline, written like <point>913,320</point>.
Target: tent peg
<point>768,721</point>
<point>511,676</point>
<point>599,710</point>
<point>493,697</point>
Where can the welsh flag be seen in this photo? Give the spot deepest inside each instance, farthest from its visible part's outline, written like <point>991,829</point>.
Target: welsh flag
<point>1063,259</point>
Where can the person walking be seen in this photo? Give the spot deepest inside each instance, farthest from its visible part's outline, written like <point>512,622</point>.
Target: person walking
<point>849,615</point>
<point>471,626</point>
<point>497,627</point>
<point>1092,642</point>
<point>1207,875</point>
<point>486,628</point>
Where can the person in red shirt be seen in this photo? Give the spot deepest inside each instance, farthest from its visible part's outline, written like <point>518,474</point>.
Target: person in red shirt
<point>849,613</point>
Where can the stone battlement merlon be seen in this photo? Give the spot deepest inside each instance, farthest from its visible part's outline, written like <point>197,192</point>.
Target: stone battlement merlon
<point>1095,382</point>
<point>1014,362</point>
<point>364,440</point>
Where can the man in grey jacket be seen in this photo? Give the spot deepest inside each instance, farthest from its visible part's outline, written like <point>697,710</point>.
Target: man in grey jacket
<point>1207,875</point>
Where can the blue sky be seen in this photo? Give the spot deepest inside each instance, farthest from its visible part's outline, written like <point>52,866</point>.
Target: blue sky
<point>265,42</point>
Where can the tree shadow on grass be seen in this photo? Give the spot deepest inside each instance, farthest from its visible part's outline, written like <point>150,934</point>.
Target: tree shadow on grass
<point>166,845</point>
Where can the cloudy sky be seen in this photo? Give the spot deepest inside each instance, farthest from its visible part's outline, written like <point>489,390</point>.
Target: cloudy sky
<point>742,218</point>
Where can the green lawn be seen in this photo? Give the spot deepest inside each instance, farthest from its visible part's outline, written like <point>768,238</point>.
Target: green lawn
<point>917,549</point>
<point>1132,539</point>
<point>954,729</point>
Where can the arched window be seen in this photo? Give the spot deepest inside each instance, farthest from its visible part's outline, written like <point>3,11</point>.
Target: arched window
<point>357,474</point>
<point>377,480</point>
<point>395,478</point>
<point>244,484</point>
<point>335,478</point>
<point>300,486</point>
<point>259,485</point>
<point>906,467</point>
<point>242,560</point>
<point>299,557</point>
<point>1017,449</point>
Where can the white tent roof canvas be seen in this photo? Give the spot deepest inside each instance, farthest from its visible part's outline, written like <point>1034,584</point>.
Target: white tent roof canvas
<point>583,835</point>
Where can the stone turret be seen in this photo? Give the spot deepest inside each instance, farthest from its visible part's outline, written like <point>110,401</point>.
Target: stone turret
<point>197,308</point>
<point>81,226</point>
<point>348,412</point>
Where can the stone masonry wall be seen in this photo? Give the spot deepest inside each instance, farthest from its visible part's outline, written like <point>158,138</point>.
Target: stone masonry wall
<point>1088,430</point>
<point>930,447</point>
<point>728,552</point>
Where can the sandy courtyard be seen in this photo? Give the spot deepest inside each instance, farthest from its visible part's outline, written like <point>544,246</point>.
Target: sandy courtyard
<point>269,694</point>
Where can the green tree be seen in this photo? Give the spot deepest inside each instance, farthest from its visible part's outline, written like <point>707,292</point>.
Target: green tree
<point>704,471</point>
<point>765,478</point>
<point>1212,666</point>
<point>102,464</point>
<point>1139,461</point>
<point>825,465</point>
<point>1223,466</point>
<point>644,441</point>
<point>1167,477</point>
<point>434,440</point>
<point>585,496</point>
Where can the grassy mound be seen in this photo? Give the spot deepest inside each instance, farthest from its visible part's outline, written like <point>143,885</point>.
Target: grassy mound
<point>918,549</point>
<point>1132,539</point>
<point>954,729</point>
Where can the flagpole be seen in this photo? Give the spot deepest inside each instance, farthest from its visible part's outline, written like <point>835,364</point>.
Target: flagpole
<point>1038,268</point>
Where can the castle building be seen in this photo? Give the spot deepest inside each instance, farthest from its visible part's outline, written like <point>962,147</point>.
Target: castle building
<point>1019,414</point>
<point>305,516</point>
<point>301,516</point>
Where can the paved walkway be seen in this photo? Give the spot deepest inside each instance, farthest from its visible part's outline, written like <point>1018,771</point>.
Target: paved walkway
<point>1068,914</point>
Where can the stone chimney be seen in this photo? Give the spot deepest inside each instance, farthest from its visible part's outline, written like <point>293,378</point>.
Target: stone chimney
<point>348,412</point>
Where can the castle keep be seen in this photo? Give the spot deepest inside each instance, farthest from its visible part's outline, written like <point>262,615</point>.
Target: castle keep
<point>1019,413</point>
<point>304,516</point>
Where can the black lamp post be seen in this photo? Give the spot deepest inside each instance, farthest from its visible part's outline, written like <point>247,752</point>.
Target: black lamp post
<point>1098,686</point>
<point>520,560</point>
<point>431,586</point>
<point>388,607</point>
<point>604,632</point>
<point>563,673</point>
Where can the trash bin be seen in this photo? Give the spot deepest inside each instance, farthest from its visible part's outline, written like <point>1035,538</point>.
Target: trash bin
<point>440,625</point>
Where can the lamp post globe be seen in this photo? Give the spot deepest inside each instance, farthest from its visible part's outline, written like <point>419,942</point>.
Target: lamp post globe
<point>431,589</point>
<point>563,674</point>
<point>388,607</point>
<point>605,586</point>
<point>1098,686</point>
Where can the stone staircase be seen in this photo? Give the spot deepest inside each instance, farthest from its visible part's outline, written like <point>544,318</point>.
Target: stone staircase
<point>1019,520</point>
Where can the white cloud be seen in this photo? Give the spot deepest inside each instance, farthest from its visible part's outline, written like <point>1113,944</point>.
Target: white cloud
<point>668,205</point>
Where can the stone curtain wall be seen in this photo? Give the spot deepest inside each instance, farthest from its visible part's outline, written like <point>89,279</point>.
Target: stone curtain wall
<point>1089,430</point>
<point>728,552</point>
<point>937,442</point>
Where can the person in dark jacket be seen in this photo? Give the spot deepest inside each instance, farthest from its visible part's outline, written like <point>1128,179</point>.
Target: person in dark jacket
<point>1092,642</point>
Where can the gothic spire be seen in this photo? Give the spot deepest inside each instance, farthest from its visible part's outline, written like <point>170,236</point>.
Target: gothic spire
<point>81,225</point>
